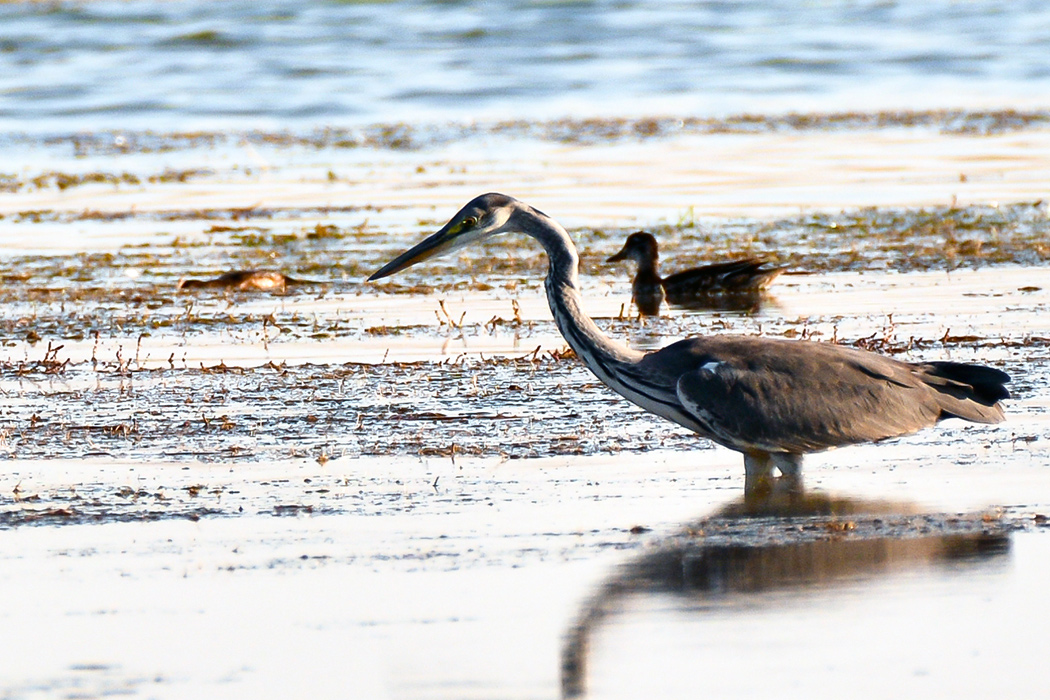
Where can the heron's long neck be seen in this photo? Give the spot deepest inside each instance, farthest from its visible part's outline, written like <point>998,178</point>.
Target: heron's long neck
<point>586,339</point>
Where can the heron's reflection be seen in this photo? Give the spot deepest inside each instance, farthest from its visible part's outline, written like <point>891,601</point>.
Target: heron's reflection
<point>784,539</point>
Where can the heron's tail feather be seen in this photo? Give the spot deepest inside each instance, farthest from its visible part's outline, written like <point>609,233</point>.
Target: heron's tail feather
<point>972,392</point>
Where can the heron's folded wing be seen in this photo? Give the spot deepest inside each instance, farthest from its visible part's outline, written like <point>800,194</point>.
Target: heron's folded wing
<point>797,402</point>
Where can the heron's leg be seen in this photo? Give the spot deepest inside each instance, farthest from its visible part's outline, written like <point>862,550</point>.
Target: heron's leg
<point>758,472</point>
<point>790,466</point>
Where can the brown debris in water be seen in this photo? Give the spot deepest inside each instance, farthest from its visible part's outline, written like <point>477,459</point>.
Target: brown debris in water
<point>64,181</point>
<point>247,281</point>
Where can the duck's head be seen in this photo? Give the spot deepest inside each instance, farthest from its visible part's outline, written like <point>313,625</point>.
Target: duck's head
<point>640,247</point>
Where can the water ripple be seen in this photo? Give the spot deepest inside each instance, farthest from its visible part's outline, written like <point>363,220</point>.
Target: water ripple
<point>197,64</point>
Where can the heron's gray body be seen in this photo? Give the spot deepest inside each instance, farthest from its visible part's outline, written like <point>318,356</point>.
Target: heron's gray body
<point>773,400</point>
<point>760,394</point>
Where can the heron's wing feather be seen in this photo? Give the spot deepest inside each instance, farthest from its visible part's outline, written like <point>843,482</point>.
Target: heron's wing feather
<point>795,396</point>
<point>966,391</point>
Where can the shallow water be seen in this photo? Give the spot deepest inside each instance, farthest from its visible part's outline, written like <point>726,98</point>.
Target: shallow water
<point>219,382</point>
<point>242,508</point>
<point>898,606</point>
<point>415,591</point>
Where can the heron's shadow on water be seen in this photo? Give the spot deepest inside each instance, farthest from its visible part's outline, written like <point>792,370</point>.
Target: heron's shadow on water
<point>778,540</point>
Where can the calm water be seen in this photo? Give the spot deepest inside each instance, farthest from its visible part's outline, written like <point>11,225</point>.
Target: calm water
<point>201,64</point>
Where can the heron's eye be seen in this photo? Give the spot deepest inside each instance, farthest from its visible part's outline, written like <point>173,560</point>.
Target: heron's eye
<point>470,222</point>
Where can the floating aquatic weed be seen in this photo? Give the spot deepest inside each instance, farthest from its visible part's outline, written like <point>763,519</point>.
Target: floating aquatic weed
<point>49,364</point>
<point>917,239</point>
<point>868,239</point>
<point>64,181</point>
<point>402,136</point>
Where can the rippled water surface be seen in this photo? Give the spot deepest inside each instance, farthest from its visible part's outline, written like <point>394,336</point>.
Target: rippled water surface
<point>68,67</point>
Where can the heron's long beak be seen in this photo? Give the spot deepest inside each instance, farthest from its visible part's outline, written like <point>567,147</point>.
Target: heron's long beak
<point>439,243</point>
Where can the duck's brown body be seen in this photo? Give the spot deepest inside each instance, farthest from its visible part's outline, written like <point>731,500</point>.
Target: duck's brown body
<point>246,281</point>
<point>747,277</point>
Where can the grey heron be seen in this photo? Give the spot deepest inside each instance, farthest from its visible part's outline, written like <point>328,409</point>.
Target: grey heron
<point>773,400</point>
<point>748,276</point>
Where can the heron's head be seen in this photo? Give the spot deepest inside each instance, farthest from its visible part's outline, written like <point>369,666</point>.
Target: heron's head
<point>640,247</point>
<point>484,217</point>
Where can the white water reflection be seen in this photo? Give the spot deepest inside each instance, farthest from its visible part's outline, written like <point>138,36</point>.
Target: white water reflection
<point>816,597</point>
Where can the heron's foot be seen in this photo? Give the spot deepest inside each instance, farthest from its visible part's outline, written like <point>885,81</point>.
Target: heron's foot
<point>761,470</point>
<point>768,485</point>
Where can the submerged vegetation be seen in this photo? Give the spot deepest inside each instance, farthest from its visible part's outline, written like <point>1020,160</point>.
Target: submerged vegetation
<point>132,292</point>
<point>303,242</point>
<point>403,136</point>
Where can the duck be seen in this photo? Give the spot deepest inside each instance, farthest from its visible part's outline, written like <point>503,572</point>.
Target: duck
<point>246,281</point>
<point>698,287</point>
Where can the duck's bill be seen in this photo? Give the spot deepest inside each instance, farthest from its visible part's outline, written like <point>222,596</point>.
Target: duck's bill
<point>434,245</point>
<point>622,255</point>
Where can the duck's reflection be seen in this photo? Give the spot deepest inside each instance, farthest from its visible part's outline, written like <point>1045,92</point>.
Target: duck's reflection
<point>745,303</point>
<point>783,539</point>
